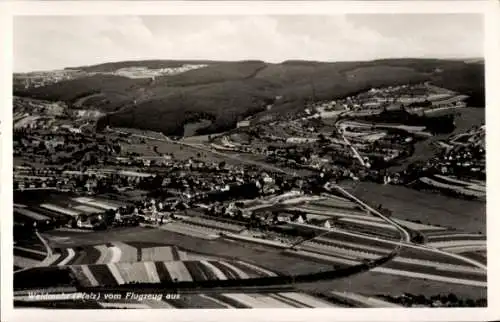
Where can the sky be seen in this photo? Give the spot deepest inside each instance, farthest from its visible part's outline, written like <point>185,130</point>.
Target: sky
<point>54,42</point>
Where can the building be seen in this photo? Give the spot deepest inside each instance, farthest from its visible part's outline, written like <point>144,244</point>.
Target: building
<point>301,140</point>
<point>244,123</point>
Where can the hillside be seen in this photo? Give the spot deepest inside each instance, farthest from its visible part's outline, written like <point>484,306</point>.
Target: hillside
<point>226,92</point>
<point>152,64</point>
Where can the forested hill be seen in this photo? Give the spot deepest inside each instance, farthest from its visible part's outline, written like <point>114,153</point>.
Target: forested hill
<point>226,92</point>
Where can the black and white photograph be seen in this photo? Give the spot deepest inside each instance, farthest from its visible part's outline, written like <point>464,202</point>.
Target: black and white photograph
<point>334,160</point>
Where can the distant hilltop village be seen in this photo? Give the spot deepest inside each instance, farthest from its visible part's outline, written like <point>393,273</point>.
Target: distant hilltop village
<point>44,78</point>
<point>144,72</point>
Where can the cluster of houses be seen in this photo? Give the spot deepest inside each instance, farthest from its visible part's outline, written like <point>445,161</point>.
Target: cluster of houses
<point>415,98</point>
<point>145,72</point>
<point>44,78</point>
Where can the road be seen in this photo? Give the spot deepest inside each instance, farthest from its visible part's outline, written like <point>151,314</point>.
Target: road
<point>356,153</point>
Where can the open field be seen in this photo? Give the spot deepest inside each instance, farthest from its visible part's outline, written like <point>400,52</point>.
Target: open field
<point>139,148</point>
<point>267,257</point>
<point>156,272</point>
<point>406,203</point>
<point>339,253</point>
<point>373,283</point>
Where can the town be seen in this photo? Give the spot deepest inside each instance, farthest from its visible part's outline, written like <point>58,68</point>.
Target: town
<point>121,206</point>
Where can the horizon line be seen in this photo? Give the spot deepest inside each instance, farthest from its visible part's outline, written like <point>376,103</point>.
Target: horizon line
<point>247,60</point>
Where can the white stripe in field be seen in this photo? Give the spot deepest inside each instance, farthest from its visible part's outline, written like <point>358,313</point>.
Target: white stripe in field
<point>92,202</point>
<point>352,296</point>
<point>462,269</point>
<point>88,274</point>
<point>368,301</point>
<point>324,249</point>
<point>116,273</point>
<point>87,209</point>
<point>139,272</point>
<point>157,254</point>
<point>218,273</point>
<point>187,230</point>
<point>339,198</point>
<point>453,243</point>
<point>29,250</point>
<point>335,213</point>
<point>375,302</point>
<point>244,299</point>
<point>195,257</point>
<point>363,247</point>
<point>62,210</point>
<point>462,249</point>
<point>344,215</point>
<point>306,299</point>
<point>116,254</point>
<point>477,188</point>
<point>286,300</point>
<point>49,260</point>
<point>152,272</point>
<point>73,230</point>
<point>104,254</point>
<point>480,186</point>
<point>416,226</point>
<point>441,266</point>
<point>126,272</point>
<point>182,255</point>
<point>272,302</point>
<point>128,253</point>
<point>239,272</point>
<point>451,179</point>
<point>452,235</point>
<point>429,277</point>
<point>335,249</point>
<point>25,262</point>
<point>267,302</point>
<point>333,203</point>
<point>368,223</point>
<point>332,259</point>
<point>216,301</point>
<point>258,240</point>
<point>71,254</point>
<point>257,268</point>
<point>154,304</point>
<point>178,271</point>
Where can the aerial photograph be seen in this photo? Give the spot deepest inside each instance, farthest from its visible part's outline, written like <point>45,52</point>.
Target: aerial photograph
<point>249,161</point>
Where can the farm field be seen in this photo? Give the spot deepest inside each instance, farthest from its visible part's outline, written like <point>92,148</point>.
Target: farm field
<point>434,266</point>
<point>453,236</point>
<point>436,209</point>
<point>156,272</point>
<point>183,152</point>
<point>55,202</point>
<point>479,256</point>
<point>374,283</point>
<point>267,257</point>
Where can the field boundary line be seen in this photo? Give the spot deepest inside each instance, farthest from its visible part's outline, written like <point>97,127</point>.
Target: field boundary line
<point>49,250</point>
